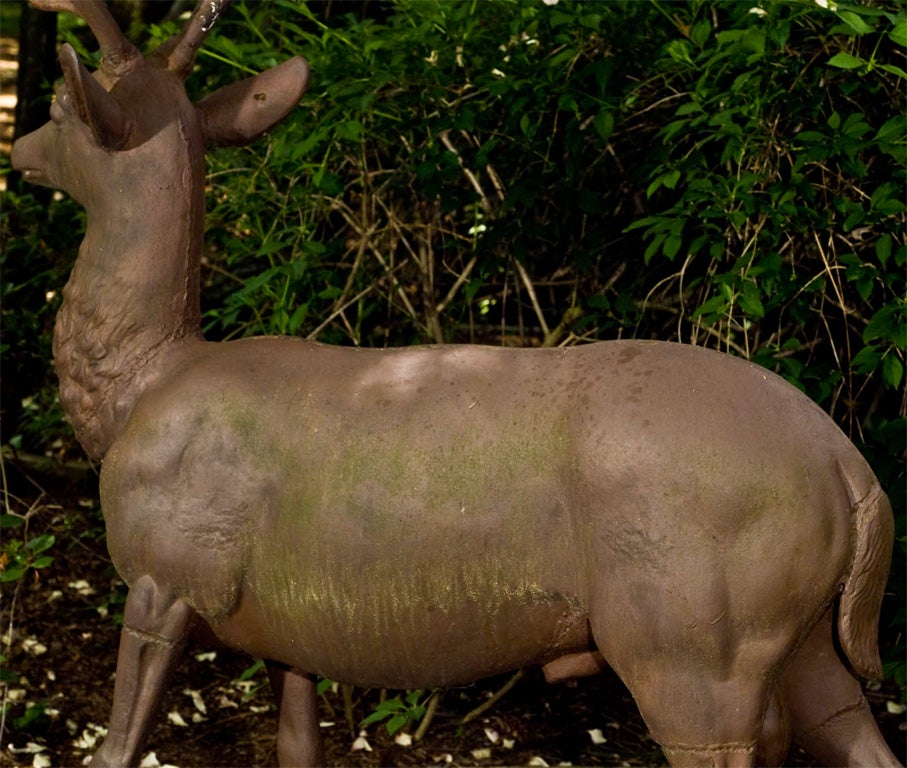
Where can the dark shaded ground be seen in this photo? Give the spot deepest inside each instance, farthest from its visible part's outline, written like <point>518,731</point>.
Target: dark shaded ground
<point>62,658</point>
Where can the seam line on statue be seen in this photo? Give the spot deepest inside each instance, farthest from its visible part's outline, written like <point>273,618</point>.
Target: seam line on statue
<point>871,497</point>
<point>844,712</point>
<point>151,637</point>
<point>732,746</point>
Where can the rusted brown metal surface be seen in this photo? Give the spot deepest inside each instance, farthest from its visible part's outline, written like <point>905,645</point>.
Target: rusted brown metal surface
<point>428,516</point>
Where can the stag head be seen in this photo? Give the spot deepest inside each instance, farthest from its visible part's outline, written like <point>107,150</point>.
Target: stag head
<point>130,124</point>
<point>128,144</point>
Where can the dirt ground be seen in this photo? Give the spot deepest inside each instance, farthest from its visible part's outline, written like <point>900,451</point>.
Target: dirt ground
<point>60,641</point>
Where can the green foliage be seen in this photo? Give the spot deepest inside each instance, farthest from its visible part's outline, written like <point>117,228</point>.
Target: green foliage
<point>398,712</point>
<point>21,555</point>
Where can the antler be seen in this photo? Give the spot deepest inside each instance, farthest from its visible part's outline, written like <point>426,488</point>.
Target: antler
<point>118,55</point>
<point>180,51</point>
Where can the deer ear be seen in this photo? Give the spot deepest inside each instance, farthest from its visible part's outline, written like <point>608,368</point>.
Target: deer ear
<point>242,111</point>
<point>94,105</point>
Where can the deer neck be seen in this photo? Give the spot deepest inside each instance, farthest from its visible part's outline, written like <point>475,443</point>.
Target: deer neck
<point>130,310</point>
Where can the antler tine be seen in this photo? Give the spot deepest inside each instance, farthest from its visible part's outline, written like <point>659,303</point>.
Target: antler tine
<point>118,55</point>
<point>181,58</point>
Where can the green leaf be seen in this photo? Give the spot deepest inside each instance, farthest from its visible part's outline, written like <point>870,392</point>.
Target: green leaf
<point>887,324</point>
<point>396,723</point>
<point>893,129</point>
<point>898,33</point>
<point>250,672</point>
<point>715,306</point>
<point>689,108</point>
<point>700,32</point>
<point>12,573</point>
<point>671,178</point>
<point>892,370</point>
<point>374,717</point>
<point>812,137</point>
<point>40,543</point>
<point>750,300</point>
<point>672,246</point>
<point>604,124</point>
<point>754,39</point>
<point>854,22</point>
<point>867,359</point>
<point>846,61</point>
<point>894,70</point>
<point>679,50</point>
<point>350,130</point>
<point>883,248</point>
<point>653,247</point>
<point>11,521</point>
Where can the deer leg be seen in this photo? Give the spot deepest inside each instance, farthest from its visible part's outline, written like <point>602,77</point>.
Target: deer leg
<point>829,714</point>
<point>700,718</point>
<point>775,739</point>
<point>298,733</point>
<point>155,625</point>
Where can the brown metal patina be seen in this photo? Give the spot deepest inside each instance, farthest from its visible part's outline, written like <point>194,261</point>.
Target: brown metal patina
<point>431,515</point>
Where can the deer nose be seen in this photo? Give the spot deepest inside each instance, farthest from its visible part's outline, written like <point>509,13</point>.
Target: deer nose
<point>28,159</point>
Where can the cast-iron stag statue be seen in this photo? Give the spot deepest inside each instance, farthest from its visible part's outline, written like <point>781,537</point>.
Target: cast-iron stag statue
<point>428,516</point>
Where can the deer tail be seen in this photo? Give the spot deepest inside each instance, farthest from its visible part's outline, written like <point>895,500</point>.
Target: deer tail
<point>864,584</point>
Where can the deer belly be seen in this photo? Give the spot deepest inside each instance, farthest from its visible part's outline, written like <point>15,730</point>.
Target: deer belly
<point>399,623</point>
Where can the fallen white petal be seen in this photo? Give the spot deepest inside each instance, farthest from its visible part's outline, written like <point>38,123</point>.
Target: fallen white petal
<point>492,735</point>
<point>224,702</point>
<point>41,761</point>
<point>403,739</point>
<point>82,587</point>
<point>538,762</point>
<point>31,748</point>
<point>481,754</point>
<point>361,744</point>
<point>207,656</point>
<point>90,736</point>
<point>197,700</point>
<point>508,743</point>
<point>33,647</point>
<point>150,761</point>
<point>177,719</point>
<point>894,708</point>
<point>597,736</point>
